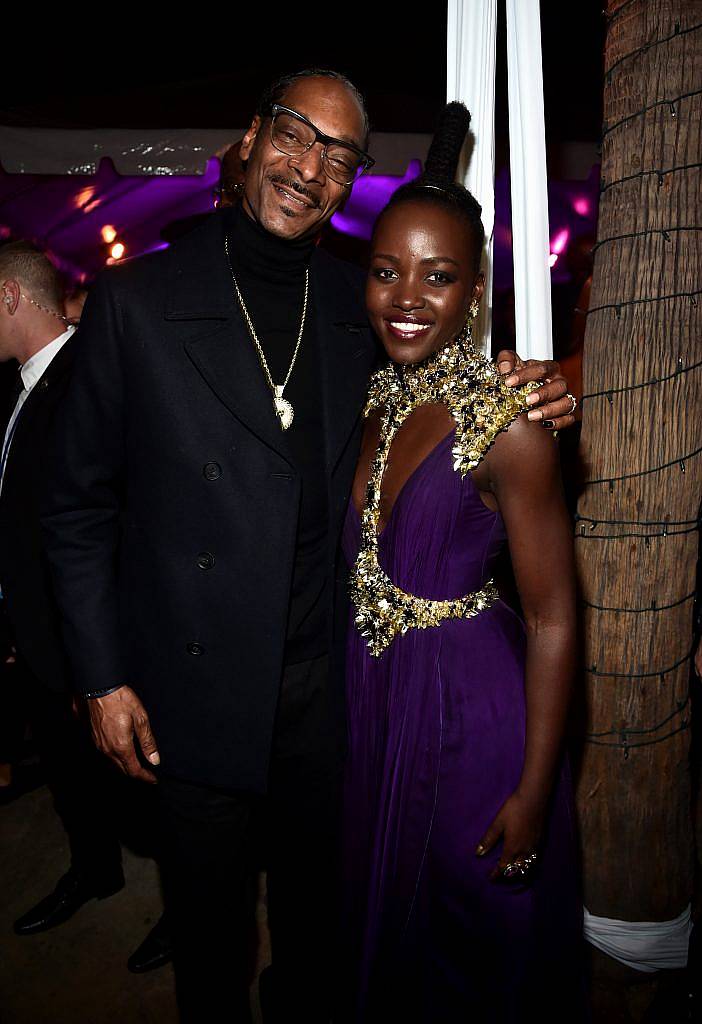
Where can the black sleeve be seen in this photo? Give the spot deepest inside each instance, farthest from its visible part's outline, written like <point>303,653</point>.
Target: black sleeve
<point>81,510</point>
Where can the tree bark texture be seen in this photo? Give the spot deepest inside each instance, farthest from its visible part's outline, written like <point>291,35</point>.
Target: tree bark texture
<point>636,540</point>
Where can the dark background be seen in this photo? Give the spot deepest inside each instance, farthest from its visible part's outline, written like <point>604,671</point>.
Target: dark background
<point>208,69</point>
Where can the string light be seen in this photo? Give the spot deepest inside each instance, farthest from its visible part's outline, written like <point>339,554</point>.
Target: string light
<point>636,522</point>
<point>665,232</point>
<point>625,730</point>
<point>671,103</point>
<point>662,672</point>
<point>653,607</point>
<point>618,306</point>
<point>690,526</point>
<point>626,747</point>
<point>584,535</point>
<point>609,392</point>
<point>623,743</point>
<point>680,460</point>
<point>654,43</point>
<point>660,172</point>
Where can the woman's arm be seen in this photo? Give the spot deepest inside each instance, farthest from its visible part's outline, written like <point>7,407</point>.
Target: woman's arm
<point>522,471</point>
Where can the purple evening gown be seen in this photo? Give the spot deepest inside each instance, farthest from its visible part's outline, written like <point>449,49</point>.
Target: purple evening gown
<point>436,744</point>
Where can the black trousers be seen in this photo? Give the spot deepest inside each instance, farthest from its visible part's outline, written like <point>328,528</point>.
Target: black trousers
<point>212,843</point>
<point>82,782</point>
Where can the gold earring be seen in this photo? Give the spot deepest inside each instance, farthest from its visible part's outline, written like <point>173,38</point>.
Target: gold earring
<point>465,337</point>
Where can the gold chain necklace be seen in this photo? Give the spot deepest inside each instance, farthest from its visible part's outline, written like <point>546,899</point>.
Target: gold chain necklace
<point>283,408</point>
<point>482,405</point>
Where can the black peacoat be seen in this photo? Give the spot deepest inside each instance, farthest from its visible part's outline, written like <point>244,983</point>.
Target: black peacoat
<point>171,515</point>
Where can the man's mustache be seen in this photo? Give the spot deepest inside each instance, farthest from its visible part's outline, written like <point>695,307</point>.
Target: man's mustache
<point>294,186</point>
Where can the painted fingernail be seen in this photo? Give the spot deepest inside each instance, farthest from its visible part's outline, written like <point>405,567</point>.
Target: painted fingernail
<point>512,379</point>
<point>480,849</point>
<point>548,424</point>
<point>530,399</point>
<point>535,415</point>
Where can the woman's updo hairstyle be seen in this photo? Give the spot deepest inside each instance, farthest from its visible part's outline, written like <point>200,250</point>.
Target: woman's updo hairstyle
<point>437,183</point>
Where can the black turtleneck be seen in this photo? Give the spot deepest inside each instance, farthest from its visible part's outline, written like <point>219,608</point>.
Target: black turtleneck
<point>270,272</point>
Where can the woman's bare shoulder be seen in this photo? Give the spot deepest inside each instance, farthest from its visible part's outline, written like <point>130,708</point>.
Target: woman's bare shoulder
<point>525,447</point>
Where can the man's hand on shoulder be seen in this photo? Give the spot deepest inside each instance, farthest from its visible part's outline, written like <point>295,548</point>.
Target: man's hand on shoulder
<point>119,721</point>
<point>551,404</point>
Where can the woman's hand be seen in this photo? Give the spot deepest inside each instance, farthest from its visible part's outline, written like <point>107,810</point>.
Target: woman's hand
<point>518,822</point>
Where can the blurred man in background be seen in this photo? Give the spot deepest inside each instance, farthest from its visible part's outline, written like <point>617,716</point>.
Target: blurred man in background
<point>35,331</point>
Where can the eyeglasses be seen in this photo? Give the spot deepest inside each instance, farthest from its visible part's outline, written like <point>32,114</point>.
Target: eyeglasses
<point>293,134</point>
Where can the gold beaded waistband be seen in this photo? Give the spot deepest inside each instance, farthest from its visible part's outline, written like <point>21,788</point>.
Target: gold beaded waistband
<point>384,610</point>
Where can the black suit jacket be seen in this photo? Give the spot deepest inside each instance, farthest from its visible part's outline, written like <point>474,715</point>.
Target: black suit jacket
<point>28,599</point>
<point>172,513</point>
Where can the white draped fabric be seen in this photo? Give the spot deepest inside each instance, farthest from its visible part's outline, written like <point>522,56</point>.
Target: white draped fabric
<point>644,945</point>
<point>472,26</point>
<point>470,77</point>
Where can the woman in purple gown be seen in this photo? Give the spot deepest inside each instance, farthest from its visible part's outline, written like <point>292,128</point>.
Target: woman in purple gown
<point>461,888</point>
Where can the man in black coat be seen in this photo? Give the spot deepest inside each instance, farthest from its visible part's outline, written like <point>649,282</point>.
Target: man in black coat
<point>33,331</point>
<point>202,472</point>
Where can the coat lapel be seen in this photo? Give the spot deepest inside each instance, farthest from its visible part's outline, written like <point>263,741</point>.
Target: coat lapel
<point>44,389</point>
<point>347,351</point>
<point>203,309</point>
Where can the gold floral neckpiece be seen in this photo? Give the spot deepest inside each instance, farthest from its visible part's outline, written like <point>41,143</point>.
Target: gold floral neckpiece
<point>482,405</point>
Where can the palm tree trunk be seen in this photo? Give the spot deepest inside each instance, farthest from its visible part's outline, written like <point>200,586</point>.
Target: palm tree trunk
<point>636,540</point>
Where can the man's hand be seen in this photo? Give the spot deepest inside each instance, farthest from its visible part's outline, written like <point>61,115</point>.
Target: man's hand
<point>116,719</point>
<point>551,404</point>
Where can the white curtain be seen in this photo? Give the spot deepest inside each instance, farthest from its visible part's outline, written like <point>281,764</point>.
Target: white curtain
<point>470,77</point>
<point>472,26</point>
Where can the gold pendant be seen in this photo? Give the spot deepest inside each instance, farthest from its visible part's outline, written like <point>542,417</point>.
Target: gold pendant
<point>283,408</point>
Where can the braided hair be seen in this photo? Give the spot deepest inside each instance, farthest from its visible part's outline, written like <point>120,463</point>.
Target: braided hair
<point>437,182</point>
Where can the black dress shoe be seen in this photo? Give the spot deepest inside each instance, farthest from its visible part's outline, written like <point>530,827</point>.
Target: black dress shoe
<point>155,950</point>
<point>72,891</point>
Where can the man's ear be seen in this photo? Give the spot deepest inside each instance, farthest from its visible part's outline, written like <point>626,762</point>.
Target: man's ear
<point>249,138</point>
<point>11,296</point>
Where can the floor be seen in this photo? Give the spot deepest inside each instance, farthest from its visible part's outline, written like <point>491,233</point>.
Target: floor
<point>76,973</point>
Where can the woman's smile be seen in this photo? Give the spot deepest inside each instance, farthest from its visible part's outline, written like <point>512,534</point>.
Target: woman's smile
<point>407,328</point>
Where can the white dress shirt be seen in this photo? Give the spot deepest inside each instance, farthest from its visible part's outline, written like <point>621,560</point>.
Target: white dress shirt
<point>31,372</point>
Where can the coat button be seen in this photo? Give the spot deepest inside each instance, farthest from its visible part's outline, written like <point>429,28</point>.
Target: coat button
<point>205,560</point>
<point>195,648</point>
<point>212,471</point>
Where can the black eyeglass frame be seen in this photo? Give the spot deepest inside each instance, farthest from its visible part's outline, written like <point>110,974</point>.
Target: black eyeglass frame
<point>367,161</point>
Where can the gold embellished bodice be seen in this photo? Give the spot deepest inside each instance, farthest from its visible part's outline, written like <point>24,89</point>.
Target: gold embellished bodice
<point>482,406</point>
